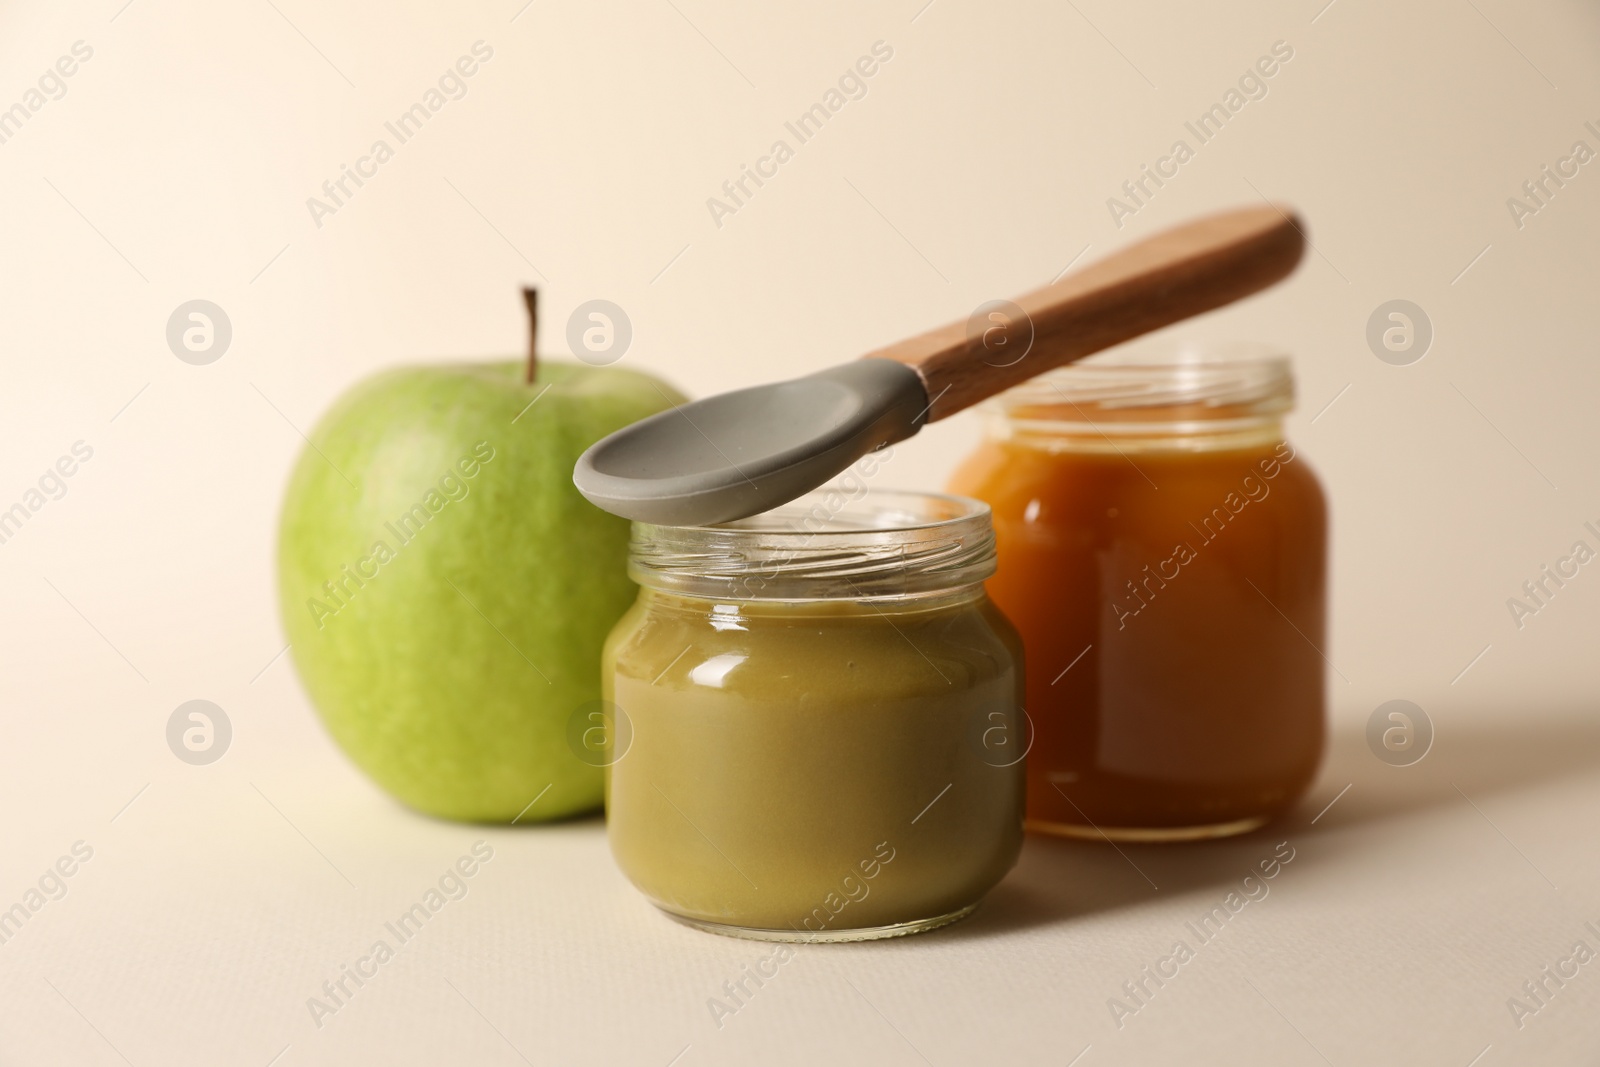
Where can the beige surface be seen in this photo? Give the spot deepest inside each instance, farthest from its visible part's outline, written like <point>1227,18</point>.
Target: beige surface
<point>177,166</point>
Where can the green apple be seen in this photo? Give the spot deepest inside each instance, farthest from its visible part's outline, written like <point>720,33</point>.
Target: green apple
<point>446,590</point>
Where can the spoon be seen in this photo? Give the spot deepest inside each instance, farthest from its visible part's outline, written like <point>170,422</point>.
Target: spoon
<point>734,455</point>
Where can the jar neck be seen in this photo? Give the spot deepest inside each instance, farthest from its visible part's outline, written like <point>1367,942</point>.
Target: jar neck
<point>728,613</point>
<point>839,543</point>
<point>1100,437</point>
<point>1190,401</point>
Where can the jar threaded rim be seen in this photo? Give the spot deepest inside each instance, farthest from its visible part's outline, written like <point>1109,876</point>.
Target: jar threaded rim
<point>840,542</point>
<point>1162,393</point>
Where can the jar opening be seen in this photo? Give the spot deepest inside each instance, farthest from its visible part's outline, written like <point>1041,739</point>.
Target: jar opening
<point>840,542</point>
<point>1162,394</point>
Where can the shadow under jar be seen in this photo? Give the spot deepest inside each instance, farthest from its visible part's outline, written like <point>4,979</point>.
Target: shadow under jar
<point>1162,550</point>
<point>824,711</point>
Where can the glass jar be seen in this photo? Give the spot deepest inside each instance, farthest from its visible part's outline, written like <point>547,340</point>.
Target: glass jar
<point>817,728</point>
<point>1163,551</point>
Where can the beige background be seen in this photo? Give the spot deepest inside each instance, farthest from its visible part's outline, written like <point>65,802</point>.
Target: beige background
<point>177,166</point>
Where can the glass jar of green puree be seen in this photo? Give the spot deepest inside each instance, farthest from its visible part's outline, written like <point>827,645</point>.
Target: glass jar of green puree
<point>816,721</point>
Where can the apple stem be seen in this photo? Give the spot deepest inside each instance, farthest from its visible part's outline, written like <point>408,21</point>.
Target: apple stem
<point>530,297</point>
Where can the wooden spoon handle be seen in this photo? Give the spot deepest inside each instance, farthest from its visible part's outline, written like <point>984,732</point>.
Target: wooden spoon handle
<point>1177,273</point>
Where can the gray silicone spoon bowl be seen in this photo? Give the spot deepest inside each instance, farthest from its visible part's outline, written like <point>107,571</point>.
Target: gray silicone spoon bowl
<point>741,453</point>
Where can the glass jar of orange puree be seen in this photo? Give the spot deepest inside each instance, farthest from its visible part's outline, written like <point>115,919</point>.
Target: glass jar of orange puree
<point>1163,551</point>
